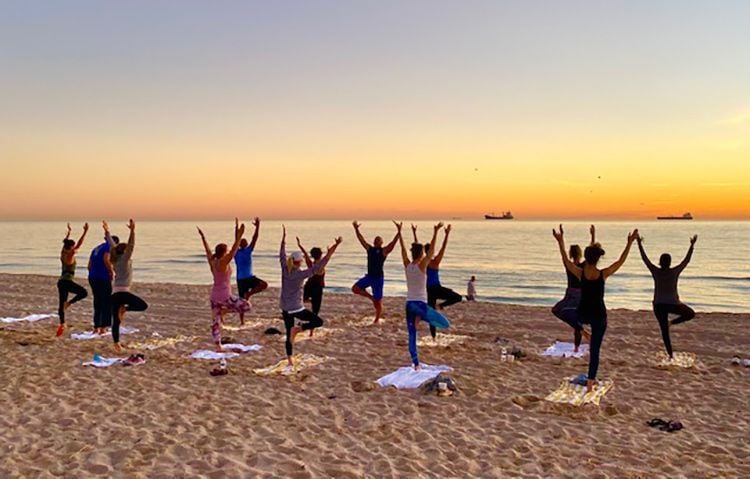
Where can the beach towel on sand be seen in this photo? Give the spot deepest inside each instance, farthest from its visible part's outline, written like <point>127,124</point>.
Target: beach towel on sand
<point>408,378</point>
<point>100,362</point>
<point>230,351</point>
<point>159,342</point>
<point>93,335</point>
<point>575,394</point>
<point>565,350</point>
<point>680,360</point>
<point>282,368</point>
<point>30,318</point>
<point>441,340</point>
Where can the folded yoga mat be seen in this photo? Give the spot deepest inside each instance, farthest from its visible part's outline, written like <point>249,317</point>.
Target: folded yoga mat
<point>30,318</point>
<point>409,378</point>
<point>93,335</point>
<point>566,350</point>
<point>681,360</point>
<point>441,340</point>
<point>282,368</point>
<point>575,394</point>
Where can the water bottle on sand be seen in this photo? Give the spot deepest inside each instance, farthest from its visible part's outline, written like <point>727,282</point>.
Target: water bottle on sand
<point>504,355</point>
<point>223,364</point>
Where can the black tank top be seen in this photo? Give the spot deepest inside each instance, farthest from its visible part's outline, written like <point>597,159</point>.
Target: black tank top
<point>573,281</point>
<point>592,297</point>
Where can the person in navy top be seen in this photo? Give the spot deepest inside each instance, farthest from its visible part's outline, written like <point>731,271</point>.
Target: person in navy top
<point>100,280</point>
<point>247,283</point>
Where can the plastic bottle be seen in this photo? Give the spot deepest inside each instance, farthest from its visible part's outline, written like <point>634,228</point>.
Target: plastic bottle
<point>504,355</point>
<point>223,363</point>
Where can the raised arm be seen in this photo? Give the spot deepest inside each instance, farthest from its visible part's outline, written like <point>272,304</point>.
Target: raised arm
<point>592,230</point>
<point>689,254</point>
<point>389,247</point>
<point>256,233</point>
<point>107,235</point>
<point>205,245</point>
<point>239,230</point>
<point>612,269</point>
<point>308,261</point>
<point>325,259</point>
<point>414,232</point>
<point>404,253</point>
<point>108,264</point>
<point>439,257</point>
<point>428,256</point>
<point>131,238</point>
<point>83,235</point>
<point>282,249</point>
<point>569,265</point>
<point>361,238</point>
<point>651,267</point>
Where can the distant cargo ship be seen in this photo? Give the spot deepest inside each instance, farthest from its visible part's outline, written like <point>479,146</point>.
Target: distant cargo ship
<point>686,216</point>
<point>505,216</point>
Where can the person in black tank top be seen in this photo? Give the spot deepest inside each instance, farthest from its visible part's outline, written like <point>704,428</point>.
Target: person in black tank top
<point>567,308</point>
<point>592,308</point>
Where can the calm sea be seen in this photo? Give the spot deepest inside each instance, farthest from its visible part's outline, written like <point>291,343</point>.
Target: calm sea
<point>514,261</point>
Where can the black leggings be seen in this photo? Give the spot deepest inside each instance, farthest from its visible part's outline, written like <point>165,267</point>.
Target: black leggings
<point>65,287</point>
<point>662,312</point>
<point>598,328</point>
<point>131,303</point>
<point>440,292</point>
<point>314,292</point>
<point>311,320</point>
<point>102,291</point>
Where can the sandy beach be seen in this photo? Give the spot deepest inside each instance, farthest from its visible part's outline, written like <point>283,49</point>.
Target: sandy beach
<point>170,418</point>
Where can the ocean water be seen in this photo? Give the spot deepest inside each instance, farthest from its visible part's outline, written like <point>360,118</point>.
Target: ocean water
<point>514,261</point>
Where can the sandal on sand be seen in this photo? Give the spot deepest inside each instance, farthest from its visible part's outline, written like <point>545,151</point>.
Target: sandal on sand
<point>672,426</point>
<point>657,422</point>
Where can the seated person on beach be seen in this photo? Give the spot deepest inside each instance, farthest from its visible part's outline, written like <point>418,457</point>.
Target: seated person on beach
<point>375,277</point>
<point>666,299</point>
<point>471,290</point>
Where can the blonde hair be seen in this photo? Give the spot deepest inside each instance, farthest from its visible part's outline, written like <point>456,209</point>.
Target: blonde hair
<point>289,264</point>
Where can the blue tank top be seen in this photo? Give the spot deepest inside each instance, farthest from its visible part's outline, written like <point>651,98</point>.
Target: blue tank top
<point>98,269</point>
<point>244,261</point>
<point>375,261</point>
<point>433,277</point>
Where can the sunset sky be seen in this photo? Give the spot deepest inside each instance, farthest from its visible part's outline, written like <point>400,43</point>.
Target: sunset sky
<point>373,109</point>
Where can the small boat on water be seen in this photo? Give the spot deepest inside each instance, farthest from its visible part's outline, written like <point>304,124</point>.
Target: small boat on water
<point>507,215</point>
<point>686,216</point>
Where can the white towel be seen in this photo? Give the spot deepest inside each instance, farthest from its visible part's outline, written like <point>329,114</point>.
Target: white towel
<point>29,318</point>
<point>241,348</point>
<point>565,350</point>
<point>409,378</point>
<point>100,362</point>
<point>93,335</point>
<point>208,354</point>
